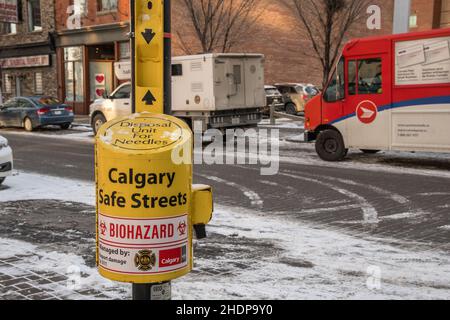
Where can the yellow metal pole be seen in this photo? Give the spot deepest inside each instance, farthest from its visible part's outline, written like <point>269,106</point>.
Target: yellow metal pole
<point>147,22</point>
<point>147,207</point>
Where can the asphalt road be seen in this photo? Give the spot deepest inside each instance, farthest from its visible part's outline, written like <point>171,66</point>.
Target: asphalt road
<point>401,199</point>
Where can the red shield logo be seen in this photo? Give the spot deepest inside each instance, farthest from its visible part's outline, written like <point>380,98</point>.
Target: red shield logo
<point>367,112</point>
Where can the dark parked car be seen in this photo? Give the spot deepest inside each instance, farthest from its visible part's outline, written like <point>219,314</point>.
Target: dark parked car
<point>273,96</point>
<point>35,112</point>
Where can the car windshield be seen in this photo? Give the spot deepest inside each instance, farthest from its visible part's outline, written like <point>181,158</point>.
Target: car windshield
<point>312,91</point>
<point>46,101</point>
<point>299,89</point>
<point>272,91</point>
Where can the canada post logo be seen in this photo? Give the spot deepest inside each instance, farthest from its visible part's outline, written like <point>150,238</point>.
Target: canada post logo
<point>367,112</point>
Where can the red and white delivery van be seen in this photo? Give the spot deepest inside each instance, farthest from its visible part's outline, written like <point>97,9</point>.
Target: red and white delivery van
<point>386,93</point>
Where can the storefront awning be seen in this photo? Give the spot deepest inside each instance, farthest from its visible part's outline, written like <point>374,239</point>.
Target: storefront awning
<point>94,35</point>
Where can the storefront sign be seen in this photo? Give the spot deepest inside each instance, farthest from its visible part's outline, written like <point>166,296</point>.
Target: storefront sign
<point>123,70</point>
<point>8,11</point>
<point>25,62</point>
<point>100,79</point>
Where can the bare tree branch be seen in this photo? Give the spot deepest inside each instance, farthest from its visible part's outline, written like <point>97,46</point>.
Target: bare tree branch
<point>327,22</point>
<point>220,25</point>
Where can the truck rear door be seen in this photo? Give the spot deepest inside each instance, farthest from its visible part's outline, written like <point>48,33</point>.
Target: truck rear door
<point>368,92</point>
<point>254,83</point>
<point>236,83</point>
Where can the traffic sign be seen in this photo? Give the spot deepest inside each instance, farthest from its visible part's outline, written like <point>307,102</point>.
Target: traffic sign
<point>148,53</point>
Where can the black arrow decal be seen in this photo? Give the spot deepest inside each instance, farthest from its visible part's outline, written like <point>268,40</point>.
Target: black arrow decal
<point>148,35</point>
<point>149,98</point>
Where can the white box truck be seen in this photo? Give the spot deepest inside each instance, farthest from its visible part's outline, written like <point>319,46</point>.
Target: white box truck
<point>221,90</point>
<point>218,90</point>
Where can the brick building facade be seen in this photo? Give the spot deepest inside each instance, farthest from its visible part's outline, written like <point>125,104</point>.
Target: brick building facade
<point>88,48</point>
<point>279,35</point>
<point>26,44</point>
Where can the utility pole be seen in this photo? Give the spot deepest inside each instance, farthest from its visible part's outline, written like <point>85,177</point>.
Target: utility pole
<point>402,13</point>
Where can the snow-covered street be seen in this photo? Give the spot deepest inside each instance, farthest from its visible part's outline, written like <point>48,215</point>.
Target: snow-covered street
<point>248,255</point>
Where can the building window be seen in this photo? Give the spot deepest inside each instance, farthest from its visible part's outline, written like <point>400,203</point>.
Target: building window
<point>413,21</point>
<point>34,15</point>
<point>38,88</point>
<point>7,85</point>
<point>8,28</point>
<point>106,5</point>
<point>80,7</point>
<point>124,51</point>
<point>73,68</point>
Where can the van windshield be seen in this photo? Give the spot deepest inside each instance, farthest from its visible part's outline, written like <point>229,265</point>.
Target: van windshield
<point>272,92</point>
<point>312,91</point>
<point>336,87</point>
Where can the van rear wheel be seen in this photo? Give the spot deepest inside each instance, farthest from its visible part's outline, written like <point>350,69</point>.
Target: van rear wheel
<point>330,146</point>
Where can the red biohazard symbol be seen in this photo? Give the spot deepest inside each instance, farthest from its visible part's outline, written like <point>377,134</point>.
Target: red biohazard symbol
<point>182,228</point>
<point>367,112</point>
<point>103,228</point>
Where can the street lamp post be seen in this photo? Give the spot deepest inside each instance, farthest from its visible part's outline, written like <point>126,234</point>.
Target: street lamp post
<point>402,12</point>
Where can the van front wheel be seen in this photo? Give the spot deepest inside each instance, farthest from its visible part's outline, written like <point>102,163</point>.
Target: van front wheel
<point>330,146</point>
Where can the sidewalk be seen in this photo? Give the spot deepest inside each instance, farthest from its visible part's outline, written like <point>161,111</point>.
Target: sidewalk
<point>82,121</point>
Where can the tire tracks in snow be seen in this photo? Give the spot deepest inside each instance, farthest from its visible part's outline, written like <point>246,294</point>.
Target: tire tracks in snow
<point>255,199</point>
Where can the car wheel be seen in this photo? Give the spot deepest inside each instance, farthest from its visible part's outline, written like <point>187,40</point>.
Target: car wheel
<point>366,151</point>
<point>65,126</point>
<point>28,125</point>
<point>291,109</point>
<point>330,146</point>
<point>97,122</point>
<point>2,180</point>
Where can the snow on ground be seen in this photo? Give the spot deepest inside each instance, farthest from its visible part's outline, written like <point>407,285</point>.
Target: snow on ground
<point>282,124</point>
<point>30,186</point>
<point>254,256</point>
<point>79,133</point>
<point>80,277</point>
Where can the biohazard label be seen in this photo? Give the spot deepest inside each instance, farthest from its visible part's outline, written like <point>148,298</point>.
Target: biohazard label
<point>143,246</point>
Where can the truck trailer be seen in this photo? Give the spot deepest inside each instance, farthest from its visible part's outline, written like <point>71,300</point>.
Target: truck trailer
<point>219,90</point>
<point>386,93</point>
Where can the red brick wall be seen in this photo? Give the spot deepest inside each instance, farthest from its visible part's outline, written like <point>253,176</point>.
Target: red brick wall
<point>92,17</point>
<point>428,14</point>
<point>278,35</point>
